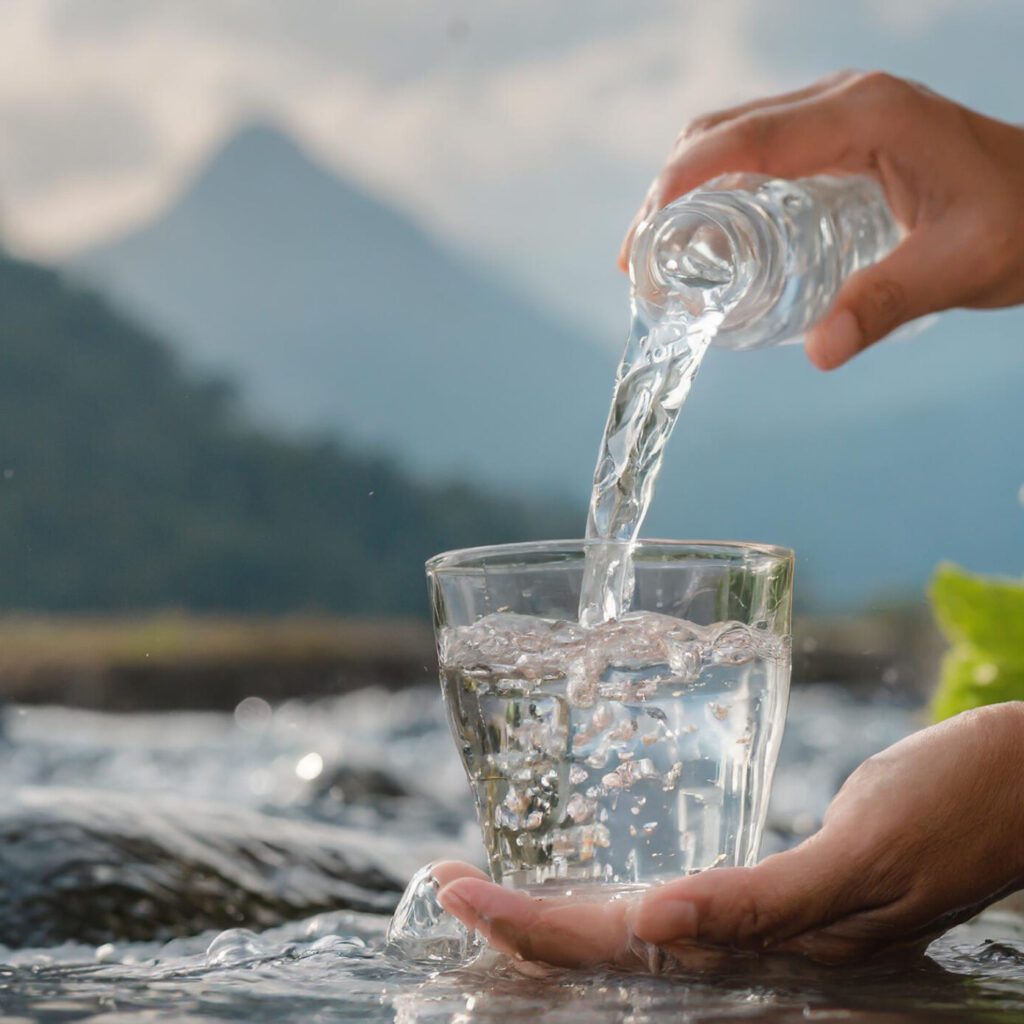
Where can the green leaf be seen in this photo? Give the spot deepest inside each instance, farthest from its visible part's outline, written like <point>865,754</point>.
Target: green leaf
<point>980,611</point>
<point>971,679</point>
<point>983,618</point>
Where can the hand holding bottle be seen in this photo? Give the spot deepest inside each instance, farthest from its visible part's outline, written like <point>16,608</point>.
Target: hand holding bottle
<point>953,178</point>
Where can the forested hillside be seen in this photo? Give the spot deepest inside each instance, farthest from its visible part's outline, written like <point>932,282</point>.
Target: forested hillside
<point>126,482</point>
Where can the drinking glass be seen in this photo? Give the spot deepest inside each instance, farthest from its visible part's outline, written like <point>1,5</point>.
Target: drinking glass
<point>626,753</point>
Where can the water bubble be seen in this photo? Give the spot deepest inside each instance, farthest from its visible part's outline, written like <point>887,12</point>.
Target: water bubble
<point>732,644</point>
<point>718,711</point>
<point>236,945</point>
<point>505,818</point>
<point>581,686</point>
<point>517,801</point>
<point>579,808</point>
<point>338,945</point>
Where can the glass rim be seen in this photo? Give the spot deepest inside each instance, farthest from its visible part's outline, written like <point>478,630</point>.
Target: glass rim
<point>468,559</point>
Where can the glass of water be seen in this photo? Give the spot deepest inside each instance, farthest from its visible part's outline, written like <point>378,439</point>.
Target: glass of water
<point>625,753</point>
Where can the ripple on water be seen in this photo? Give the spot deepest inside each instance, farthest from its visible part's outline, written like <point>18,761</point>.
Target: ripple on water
<point>341,965</point>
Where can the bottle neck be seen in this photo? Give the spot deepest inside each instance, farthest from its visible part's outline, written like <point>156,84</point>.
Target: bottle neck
<point>764,256</point>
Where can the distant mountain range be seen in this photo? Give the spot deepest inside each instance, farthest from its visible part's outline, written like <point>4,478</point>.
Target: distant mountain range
<point>335,312</point>
<point>128,483</point>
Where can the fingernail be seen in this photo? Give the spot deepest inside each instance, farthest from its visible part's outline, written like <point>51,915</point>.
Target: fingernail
<point>663,920</point>
<point>834,342</point>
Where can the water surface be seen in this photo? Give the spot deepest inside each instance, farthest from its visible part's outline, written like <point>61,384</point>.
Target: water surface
<point>282,814</point>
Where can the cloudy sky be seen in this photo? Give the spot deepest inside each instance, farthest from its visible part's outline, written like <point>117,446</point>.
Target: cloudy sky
<point>523,131</point>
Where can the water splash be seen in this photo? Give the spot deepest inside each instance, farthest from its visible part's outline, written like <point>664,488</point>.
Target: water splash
<point>422,932</point>
<point>337,966</point>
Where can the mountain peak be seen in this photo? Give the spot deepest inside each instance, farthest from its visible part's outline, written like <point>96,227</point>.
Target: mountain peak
<point>259,143</point>
<point>259,161</point>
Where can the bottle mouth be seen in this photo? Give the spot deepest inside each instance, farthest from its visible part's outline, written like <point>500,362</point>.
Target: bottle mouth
<point>693,252</point>
<point>700,256</point>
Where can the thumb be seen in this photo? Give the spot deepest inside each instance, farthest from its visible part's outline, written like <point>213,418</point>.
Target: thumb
<point>752,908</point>
<point>905,285</point>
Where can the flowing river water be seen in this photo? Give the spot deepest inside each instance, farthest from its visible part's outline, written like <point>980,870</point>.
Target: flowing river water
<point>214,867</point>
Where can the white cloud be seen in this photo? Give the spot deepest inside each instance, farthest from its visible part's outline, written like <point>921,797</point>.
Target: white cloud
<point>912,17</point>
<point>610,91</point>
<point>527,136</point>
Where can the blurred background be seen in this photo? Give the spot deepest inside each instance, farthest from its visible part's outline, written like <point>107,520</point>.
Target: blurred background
<point>295,295</point>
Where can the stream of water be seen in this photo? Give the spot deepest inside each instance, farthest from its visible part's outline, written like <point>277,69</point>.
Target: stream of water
<point>654,377</point>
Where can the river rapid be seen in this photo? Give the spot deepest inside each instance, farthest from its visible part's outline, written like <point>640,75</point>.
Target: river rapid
<point>215,867</point>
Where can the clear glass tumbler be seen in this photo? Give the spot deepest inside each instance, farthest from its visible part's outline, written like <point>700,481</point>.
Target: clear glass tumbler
<point>626,753</point>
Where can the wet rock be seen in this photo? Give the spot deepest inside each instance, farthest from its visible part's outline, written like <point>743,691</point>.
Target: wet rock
<point>349,784</point>
<point>98,867</point>
<point>369,798</point>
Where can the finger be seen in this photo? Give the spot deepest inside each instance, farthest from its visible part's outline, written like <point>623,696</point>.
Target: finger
<point>717,117</point>
<point>570,932</point>
<point>909,283</point>
<point>709,121</point>
<point>446,871</point>
<point>478,904</point>
<point>841,129</point>
<point>790,141</point>
<point>753,908</point>
<point>627,243</point>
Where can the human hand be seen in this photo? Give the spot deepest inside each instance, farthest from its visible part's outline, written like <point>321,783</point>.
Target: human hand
<point>954,179</point>
<point>922,836</point>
